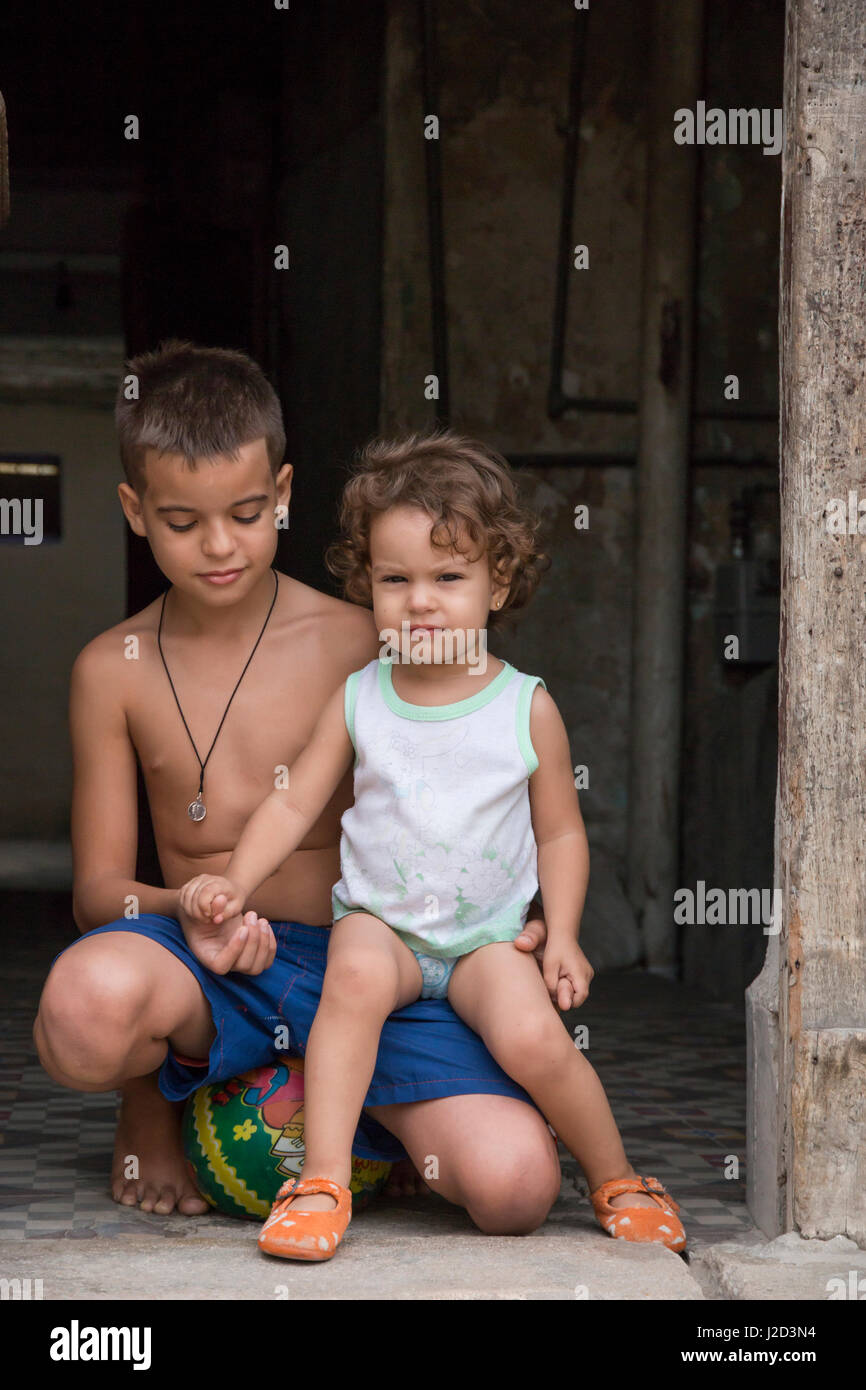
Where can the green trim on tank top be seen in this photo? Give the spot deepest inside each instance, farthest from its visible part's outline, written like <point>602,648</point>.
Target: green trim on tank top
<point>350,699</point>
<point>505,927</point>
<point>473,702</point>
<point>524,701</point>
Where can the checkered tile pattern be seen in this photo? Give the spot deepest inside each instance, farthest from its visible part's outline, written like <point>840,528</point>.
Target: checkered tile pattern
<point>672,1064</point>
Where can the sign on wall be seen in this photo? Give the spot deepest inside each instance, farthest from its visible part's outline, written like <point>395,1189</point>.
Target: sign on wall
<point>29,498</point>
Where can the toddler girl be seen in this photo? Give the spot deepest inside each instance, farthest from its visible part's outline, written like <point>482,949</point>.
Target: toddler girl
<point>464,803</point>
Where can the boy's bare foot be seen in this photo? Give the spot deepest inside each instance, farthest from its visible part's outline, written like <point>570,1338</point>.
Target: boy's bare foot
<point>148,1132</point>
<point>404,1180</point>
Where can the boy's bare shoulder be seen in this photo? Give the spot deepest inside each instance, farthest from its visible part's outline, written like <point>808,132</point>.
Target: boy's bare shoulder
<point>106,657</point>
<point>309,602</point>
<point>336,628</point>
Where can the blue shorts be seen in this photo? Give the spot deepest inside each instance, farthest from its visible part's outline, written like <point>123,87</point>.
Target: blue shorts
<point>425,1050</point>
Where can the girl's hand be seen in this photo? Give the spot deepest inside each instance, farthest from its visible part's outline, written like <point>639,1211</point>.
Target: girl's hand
<point>245,944</point>
<point>209,898</point>
<point>567,974</point>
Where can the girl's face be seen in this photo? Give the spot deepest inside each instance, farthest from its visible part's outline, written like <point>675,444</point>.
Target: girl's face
<point>423,585</point>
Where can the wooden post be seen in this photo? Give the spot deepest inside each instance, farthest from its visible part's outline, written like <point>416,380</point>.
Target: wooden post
<point>662,482</point>
<point>807,1009</point>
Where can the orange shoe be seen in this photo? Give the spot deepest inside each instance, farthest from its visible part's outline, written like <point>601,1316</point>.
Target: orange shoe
<point>306,1235</point>
<point>639,1223</point>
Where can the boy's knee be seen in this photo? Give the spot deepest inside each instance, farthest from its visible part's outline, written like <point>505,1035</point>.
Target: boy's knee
<point>69,1053</point>
<point>513,1195</point>
<point>504,1207</point>
<point>87,1016</point>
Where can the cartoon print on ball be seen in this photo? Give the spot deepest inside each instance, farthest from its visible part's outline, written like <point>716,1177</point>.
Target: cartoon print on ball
<point>243,1137</point>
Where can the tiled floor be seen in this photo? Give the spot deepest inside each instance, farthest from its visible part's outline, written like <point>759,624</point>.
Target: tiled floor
<point>673,1066</point>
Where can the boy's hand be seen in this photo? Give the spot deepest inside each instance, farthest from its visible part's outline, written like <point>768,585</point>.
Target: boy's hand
<point>533,938</point>
<point>244,944</point>
<point>209,898</point>
<point>567,974</point>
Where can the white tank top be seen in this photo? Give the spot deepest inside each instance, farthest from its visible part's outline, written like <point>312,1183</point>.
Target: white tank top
<point>439,843</point>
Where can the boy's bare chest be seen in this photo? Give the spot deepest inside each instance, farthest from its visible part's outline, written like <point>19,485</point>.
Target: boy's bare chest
<point>264,724</point>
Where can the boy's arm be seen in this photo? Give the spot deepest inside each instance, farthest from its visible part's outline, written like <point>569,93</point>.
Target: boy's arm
<point>104,819</point>
<point>277,826</point>
<point>563,849</point>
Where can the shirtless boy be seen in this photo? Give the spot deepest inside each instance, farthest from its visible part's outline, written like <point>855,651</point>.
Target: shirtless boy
<point>202,449</point>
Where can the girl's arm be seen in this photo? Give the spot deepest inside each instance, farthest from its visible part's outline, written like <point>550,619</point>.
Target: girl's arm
<point>277,826</point>
<point>563,849</point>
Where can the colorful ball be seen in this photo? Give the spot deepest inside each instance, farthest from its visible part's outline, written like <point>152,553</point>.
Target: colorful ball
<point>244,1137</point>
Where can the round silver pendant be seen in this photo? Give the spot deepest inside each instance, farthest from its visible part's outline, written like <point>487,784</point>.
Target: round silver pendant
<point>196,810</point>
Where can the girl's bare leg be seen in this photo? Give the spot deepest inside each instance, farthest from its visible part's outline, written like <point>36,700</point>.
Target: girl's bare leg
<point>501,994</point>
<point>370,974</point>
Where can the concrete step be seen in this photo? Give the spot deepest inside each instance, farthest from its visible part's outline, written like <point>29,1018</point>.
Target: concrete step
<point>415,1248</point>
<point>788,1267</point>
<point>379,1259</point>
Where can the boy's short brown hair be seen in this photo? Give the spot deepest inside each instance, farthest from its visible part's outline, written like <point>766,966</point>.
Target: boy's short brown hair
<point>200,402</point>
<point>462,485</point>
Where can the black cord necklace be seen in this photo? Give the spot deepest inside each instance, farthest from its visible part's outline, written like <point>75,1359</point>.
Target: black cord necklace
<point>196,810</point>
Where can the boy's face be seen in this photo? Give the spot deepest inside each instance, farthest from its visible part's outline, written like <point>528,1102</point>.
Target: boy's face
<point>414,581</point>
<point>212,528</point>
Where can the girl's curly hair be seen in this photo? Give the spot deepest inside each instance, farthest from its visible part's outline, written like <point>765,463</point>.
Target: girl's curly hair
<point>464,487</point>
